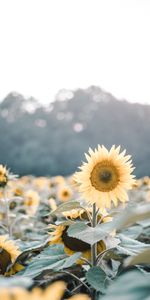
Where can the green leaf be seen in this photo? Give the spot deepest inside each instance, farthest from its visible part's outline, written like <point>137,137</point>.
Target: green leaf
<point>53,257</point>
<point>132,285</point>
<point>67,206</point>
<point>130,246</point>
<point>15,282</point>
<point>89,234</point>
<point>139,259</point>
<point>133,232</point>
<point>131,216</point>
<point>29,251</point>
<point>96,277</point>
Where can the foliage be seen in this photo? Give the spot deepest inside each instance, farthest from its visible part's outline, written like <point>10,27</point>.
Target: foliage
<point>122,267</point>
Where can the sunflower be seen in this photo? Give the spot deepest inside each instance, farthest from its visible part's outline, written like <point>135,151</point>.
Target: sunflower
<point>3,176</point>
<point>73,213</point>
<point>8,254</point>
<point>106,176</point>
<point>18,192</point>
<point>40,182</point>
<point>59,180</point>
<point>54,292</point>
<point>64,193</point>
<point>31,201</point>
<point>146,180</point>
<point>31,198</point>
<point>52,203</point>
<point>72,245</point>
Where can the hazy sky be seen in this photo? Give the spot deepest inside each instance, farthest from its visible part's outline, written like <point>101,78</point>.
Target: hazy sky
<point>47,45</point>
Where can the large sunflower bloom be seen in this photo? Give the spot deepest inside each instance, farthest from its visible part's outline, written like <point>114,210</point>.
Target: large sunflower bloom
<point>106,176</point>
<point>8,254</point>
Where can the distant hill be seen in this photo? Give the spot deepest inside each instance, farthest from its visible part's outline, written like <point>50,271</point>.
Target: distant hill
<point>52,140</point>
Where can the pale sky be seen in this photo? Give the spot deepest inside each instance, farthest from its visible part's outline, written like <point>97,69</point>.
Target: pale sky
<point>47,45</point>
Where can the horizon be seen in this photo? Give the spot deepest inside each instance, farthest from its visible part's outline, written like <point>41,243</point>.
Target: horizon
<point>65,94</point>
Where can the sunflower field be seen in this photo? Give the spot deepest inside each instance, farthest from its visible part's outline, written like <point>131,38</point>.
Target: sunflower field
<point>81,237</point>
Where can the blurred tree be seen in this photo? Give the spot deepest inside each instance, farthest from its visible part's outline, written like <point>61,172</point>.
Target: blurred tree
<point>52,140</point>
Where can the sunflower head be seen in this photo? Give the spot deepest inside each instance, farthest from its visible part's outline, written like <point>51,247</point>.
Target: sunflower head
<point>18,192</point>
<point>52,203</point>
<point>73,213</point>
<point>3,176</point>
<point>9,251</point>
<point>64,193</point>
<point>105,177</point>
<point>31,202</point>
<point>146,180</point>
<point>40,183</point>
<point>31,198</point>
<point>59,180</point>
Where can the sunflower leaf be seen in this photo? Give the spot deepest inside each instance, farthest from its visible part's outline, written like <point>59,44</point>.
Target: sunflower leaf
<point>139,259</point>
<point>131,216</point>
<point>133,285</point>
<point>53,257</point>
<point>96,277</point>
<point>67,206</point>
<point>15,282</point>
<point>89,234</point>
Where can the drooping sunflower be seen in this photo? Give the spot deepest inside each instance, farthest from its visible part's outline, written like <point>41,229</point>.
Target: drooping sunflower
<point>72,245</point>
<point>3,176</point>
<point>106,176</point>
<point>53,292</point>
<point>9,251</point>
<point>64,193</point>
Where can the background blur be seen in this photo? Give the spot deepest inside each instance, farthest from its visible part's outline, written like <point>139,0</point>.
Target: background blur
<point>67,69</point>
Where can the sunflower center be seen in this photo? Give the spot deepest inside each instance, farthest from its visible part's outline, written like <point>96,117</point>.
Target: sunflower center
<point>29,202</point>
<point>65,193</point>
<point>5,261</point>
<point>73,243</point>
<point>12,205</point>
<point>104,176</point>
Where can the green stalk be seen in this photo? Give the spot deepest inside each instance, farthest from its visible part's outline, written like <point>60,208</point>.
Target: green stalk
<point>94,247</point>
<point>7,211</point>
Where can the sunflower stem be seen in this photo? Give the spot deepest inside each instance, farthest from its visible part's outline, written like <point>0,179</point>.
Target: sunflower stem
<point>94,246</point>
<point>7,212</point>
